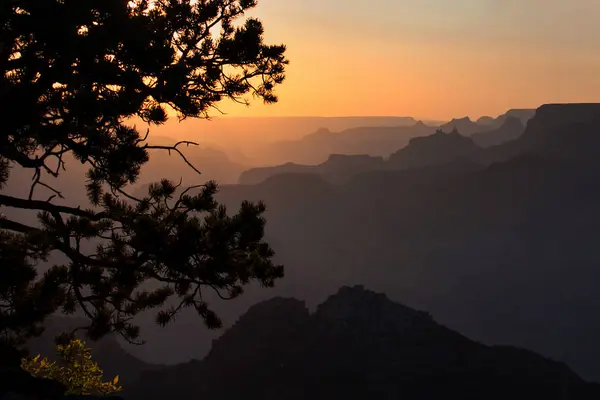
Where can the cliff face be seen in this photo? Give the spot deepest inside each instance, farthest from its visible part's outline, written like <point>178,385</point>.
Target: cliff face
<point>436,149</point>
<point>556,116</point>
<point>559,131</point>
<point>358,344</point>
<point>565,122</point>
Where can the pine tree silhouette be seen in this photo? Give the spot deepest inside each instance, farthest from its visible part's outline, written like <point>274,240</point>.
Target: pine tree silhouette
<point>72,72</point>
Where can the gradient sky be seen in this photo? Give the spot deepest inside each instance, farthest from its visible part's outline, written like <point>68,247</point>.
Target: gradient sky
<point>431,58</point>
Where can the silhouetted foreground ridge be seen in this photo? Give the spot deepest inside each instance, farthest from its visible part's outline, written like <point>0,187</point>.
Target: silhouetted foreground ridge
<point>358,345</point>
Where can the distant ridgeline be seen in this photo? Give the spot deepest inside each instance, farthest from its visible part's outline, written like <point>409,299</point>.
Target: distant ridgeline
<point>483,142</point>
<point>383,140</point>
<point>499,243</point>
<point>358,345</point>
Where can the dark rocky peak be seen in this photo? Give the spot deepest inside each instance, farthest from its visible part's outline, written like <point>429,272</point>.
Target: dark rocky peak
<point>274,311</point>
<point>485,120</point>
<point>439,148</point>
<point>267,320</point>
<point>263,336</point>
<point>357,307</point>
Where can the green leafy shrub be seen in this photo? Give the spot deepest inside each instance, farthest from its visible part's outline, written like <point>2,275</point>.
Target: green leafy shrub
<point>76,370</point>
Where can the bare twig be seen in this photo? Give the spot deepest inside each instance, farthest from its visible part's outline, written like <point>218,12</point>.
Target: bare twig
<point>56,192</point>
<point>35,179</point>
<point>174,148</point>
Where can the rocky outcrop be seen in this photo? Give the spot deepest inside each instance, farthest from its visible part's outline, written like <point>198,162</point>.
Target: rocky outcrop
<point>436,149</point>
<point>463,125</point>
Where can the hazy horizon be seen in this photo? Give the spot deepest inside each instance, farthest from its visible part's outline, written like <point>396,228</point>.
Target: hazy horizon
<point>230,130</point>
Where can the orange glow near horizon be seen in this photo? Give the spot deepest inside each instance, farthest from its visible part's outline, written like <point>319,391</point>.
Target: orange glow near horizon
<point>430,60</point>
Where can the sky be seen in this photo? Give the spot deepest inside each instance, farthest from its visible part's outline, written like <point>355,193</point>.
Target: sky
<point>433,59</point>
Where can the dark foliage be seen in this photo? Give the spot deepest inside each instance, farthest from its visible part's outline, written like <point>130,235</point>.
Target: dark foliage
<point>72,72</point>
